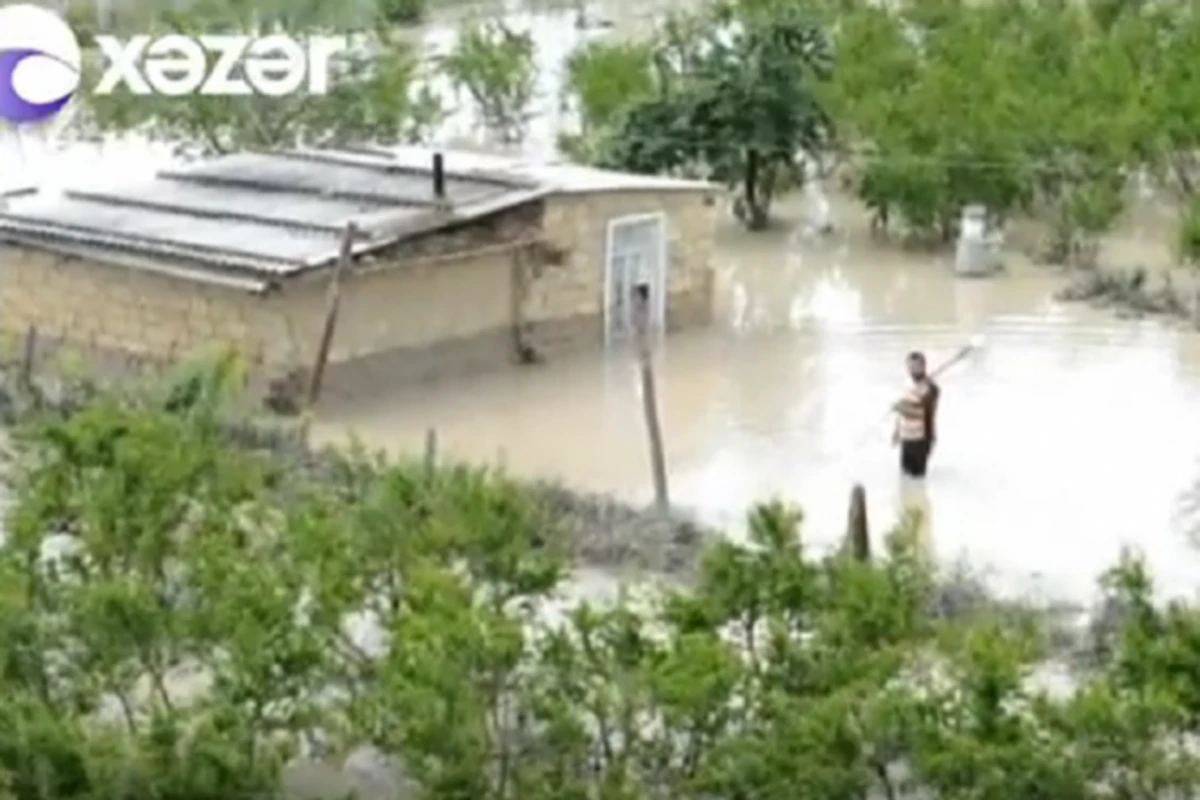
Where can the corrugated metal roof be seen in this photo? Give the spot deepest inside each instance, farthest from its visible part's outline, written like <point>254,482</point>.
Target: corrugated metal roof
<point>302,210</point>
<point>177,227</point>
<point>328,173</point>
<point>265,214</point>
<point>270,215</point>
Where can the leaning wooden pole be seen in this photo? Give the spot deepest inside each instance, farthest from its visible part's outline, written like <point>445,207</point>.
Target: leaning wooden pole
<point>658,461</point>
<point>333,301</point>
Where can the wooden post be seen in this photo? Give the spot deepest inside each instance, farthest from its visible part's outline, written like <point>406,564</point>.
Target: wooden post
<point>331,311</point>
<point>28,355</point>
<point>431,446</point>
<point>658,461</point>
<point>858,536</point>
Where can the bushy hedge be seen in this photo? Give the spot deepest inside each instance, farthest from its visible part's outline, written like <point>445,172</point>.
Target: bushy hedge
<point>145,550</point>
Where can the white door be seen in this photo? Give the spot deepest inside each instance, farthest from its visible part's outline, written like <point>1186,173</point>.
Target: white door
<point>637,255</point>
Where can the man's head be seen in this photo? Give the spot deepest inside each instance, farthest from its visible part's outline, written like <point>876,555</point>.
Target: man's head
<point>916,365</point>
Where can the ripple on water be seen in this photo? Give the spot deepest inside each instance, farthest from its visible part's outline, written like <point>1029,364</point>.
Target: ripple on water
<point>1068,436</point>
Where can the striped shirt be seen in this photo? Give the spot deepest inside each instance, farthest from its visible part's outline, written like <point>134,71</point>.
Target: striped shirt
<point>917,412</point>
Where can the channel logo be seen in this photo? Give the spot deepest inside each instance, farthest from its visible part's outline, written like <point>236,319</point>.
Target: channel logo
<point>39,64</point>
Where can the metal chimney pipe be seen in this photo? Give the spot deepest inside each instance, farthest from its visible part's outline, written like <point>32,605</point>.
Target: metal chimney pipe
<point>439,177</point>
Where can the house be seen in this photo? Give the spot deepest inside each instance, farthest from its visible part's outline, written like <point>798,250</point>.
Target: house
<point>459,260</point>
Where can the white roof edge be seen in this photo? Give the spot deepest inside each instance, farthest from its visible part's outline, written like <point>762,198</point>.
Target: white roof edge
<point>117,258</point>
<point>559,177</point>
<point>651,184</point>
<point>16,190</point>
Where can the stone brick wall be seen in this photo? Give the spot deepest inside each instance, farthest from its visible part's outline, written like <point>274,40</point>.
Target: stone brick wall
<point>404,313</point>
<point>395,306</point>
<point>398,322</point>
<point>409,318</point>
<point>563,305</point>
<point>113,310</point>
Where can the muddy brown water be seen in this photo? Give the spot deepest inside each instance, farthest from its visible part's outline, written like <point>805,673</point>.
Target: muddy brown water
<point>1069,435</point>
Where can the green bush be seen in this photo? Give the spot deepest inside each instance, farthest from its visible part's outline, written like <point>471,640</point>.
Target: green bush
<point>496,66</point>
<point>1189,233</point>
<point>607,78</point>
<point>776,673</point>
<point>402,12</point>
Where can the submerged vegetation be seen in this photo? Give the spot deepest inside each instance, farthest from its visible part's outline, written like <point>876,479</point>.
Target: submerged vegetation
<point>1047,109</point>
<point>495,66</point>
<point>146,552</point>
<point>176,601</point>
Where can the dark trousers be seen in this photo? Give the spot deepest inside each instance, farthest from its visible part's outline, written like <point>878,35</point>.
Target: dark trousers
<point>914,457</point>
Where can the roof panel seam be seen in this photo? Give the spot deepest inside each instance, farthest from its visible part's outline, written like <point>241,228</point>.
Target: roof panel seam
<point>181,209</point>
<point>282,187</point>
<point>254,262</point>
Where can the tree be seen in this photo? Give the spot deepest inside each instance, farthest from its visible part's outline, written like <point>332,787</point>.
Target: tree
<point>402,12</point>
<point>1169,45</point>
<point>738,101</point>
<point>118,591</point>
<point>496,66</point>
<point>151,532</point>
<point>1189,234</point>
<point>602,80</point>
<point>933,111</point>
<point>1016,106</point>
<point>376,90</point>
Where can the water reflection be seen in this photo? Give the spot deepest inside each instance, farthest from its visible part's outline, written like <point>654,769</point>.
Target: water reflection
<point>1069,435</point>
<point>914,500</point>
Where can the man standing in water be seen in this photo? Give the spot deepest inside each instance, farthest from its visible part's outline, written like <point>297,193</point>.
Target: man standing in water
<point>915,430</point>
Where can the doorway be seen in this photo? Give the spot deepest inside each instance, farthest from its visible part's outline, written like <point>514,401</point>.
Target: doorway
<point>636,256</point>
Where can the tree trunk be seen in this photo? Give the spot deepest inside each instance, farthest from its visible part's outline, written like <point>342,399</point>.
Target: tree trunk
<point>756,202</point>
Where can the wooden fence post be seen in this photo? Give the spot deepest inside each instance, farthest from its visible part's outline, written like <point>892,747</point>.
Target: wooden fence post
<point>858,535</point>
<point>431,446</point>
<point>28,356</point>
<point>331,312</point>
<point>658,461</point>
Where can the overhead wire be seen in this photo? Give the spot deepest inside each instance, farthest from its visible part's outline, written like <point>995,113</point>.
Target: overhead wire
<point>852,155</point>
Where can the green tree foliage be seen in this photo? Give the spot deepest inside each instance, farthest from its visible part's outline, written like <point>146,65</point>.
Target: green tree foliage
<point>603,79</point>
<point>1023,107</point>
<point>402,12</point>
<point>146,543</point>
<point>376,92</point>
<point>496,66</point>
<point>736,99</point>
<point>1189,233</point>
<point>1034,108</point>
<point>608,76</point>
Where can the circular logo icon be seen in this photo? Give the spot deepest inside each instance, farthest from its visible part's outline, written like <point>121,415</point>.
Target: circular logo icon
<point>39,64</point>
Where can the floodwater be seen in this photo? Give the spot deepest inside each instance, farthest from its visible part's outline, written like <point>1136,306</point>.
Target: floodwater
<point>1069,434</point>
<point>53,158</point>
